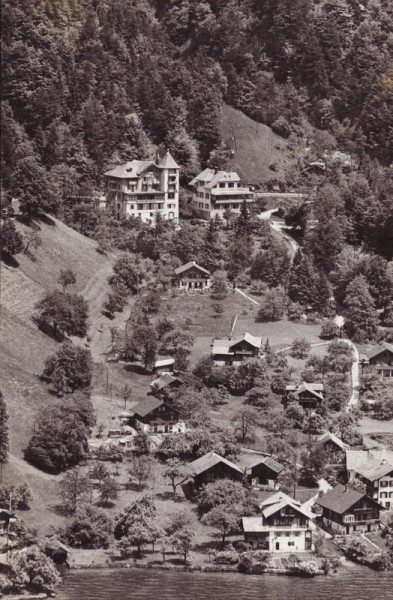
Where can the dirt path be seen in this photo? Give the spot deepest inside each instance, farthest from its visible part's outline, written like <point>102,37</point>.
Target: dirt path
<point>248,297</point>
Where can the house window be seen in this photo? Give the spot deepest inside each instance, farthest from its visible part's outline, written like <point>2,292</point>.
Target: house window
<point>291,543</point>
<point>231,185</point>
<point>222,185</point>
<point>171,196</point>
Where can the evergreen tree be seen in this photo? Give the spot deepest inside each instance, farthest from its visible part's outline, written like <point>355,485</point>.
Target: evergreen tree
<point>362,318</point>
<point>3,435</point>
<point>302,279</point>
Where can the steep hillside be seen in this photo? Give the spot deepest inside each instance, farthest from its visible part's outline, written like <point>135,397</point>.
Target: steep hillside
<point>255,147</point>
<point>23,347</point>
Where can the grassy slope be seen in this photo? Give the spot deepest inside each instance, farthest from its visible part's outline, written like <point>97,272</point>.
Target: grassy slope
<point>257,147</point>
<point>23,347</point>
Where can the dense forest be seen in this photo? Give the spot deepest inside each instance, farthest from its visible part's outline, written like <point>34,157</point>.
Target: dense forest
<point>88,83</point>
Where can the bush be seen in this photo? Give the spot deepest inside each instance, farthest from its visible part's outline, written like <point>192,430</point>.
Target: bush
<point>295,311</point>
<point>300,348</point>
<point>329,331</point>
<point>226,557</point>
<point>89,528</point>
<point>60,438</point>
<point>281,127</point>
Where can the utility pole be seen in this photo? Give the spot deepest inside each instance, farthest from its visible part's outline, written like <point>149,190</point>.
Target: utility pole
<point>8,525</point>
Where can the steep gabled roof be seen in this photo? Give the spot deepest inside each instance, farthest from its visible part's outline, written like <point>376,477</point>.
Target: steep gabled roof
<point>379,349</point>
<point>205,175</point>
<point>341,498</point>
<point>188,266</point>
<point>146,406</point>
<point>330,437</point>
<point>164,380</point>
<point>251,339</point>
<point>130,169</point>
<point>225,346</point>
<point>250,461</point>
<point>202,464</point>
<point>371,464</point>
<point>272,509</point>
<point>168,162</point>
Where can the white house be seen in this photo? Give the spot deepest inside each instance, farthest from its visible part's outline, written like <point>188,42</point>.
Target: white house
<point>217,191</point>
<point>143,188</point>
<point>283,525</point>
<point>375,469</point>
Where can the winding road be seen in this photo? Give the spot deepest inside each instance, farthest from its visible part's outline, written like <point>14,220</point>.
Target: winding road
<point>278,226</point>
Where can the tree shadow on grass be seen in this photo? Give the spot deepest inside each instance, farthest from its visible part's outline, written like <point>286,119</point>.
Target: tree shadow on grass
<point>133,368</point>
<point>44,218</point>
<point>60,509</point>
<point>9,260</point>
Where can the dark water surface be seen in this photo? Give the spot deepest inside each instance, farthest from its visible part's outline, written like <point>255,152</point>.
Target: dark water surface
<point>350,583</point>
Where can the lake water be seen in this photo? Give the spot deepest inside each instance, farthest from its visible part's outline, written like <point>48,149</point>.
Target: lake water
<point>350,583</point>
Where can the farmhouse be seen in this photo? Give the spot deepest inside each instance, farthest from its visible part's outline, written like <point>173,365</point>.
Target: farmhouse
<point>153,415</point>
<point>381,358</point>
<point>260,470</point>
<point>192,276</point>
<point>214,192</point>
<point>283,525</point>
<point>374,468</point>
<point>165,383</point>
<point>346,510</point>
<point>308,395</point>
<point>232,352</point>
<point>332,443</point>
<point>141,188</point>
<point>211,467</point>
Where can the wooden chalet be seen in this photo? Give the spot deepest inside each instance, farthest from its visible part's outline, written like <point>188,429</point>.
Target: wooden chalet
<point>211,467</point>
<point>234,351</point>
<point>374,468</point>
<point>192,276</point>
<point>260,470</point>
<point>308,395</point>
<point>332,443</point>
<point>345,511</point>
<point>380,358</point>
<point>153,415</point>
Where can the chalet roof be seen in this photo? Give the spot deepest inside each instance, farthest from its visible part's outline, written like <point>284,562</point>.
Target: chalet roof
<point>222,176</point>
<point>371,464</point>
<point>205,175</point>
<point>313,388</point>
<point>164,380</point>
<point>202,464</point>
<point>225,346</point>
<point>210,177</point>
<point>168,162</point>
<point>276,497</point>
<point>272,509</point>
<point>130,169</point>
<point>248,462</point>
<point>330,437</point>
<point>379,349</point>
<point>188,266</point>
<point>341,498</point>
<point>146,406</point>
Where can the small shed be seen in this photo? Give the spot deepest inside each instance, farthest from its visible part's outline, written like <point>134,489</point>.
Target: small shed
<point>164,365</point>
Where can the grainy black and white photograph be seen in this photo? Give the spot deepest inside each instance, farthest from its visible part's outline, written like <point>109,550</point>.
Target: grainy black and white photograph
<point>196,324</point>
